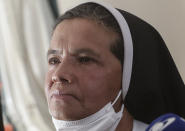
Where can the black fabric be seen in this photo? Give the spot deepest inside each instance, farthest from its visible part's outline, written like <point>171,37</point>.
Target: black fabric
<point>156,87</point>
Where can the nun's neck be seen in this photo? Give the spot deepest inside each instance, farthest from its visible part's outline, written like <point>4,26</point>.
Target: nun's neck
<point>126,122</point>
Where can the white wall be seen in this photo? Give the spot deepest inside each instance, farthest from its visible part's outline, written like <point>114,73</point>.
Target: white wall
<point>167,16</point>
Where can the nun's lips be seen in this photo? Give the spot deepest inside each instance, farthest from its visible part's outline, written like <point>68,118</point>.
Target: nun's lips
<point>61,95</point>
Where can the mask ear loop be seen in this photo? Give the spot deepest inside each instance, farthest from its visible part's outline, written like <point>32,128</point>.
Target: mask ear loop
<point>116,98</point>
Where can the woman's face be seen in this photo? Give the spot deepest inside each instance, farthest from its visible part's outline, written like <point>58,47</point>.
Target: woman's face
<point>83,75</point>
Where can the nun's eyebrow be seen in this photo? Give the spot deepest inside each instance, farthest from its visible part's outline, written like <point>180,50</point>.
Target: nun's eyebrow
<point>86,51</point>
<point>53,52</point>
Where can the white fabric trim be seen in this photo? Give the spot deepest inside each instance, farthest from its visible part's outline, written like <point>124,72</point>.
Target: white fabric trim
<point>139,126</point>
<point>128,45</point>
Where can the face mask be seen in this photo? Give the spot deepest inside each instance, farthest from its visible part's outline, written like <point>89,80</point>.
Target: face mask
<point>105,119</point>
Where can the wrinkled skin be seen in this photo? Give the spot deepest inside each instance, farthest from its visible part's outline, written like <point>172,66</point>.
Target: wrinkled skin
<point>83,75</point>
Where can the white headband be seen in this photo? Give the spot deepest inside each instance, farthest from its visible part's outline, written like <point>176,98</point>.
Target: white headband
<point>128,46</point>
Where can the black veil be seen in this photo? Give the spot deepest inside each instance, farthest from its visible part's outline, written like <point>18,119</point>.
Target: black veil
<point>156,86</point>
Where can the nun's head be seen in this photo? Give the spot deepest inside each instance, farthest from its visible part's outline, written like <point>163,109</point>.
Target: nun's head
<point>85,61</point>
<point>96,51</point>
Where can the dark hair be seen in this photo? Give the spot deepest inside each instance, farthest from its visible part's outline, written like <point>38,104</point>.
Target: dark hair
<point>99,14</point>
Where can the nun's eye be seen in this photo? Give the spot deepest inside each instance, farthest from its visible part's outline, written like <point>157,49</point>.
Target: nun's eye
<point>53,61</point>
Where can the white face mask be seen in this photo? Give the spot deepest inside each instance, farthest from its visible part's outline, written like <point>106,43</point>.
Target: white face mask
<point>105,119</point>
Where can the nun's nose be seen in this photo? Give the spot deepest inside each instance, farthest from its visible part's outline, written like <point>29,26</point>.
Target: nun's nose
<point>62,74</point>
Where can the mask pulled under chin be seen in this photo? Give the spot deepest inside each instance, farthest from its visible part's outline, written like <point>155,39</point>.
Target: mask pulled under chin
<point>106,119</point>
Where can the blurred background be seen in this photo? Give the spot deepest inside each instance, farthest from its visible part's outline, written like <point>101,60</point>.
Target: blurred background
<point>25,30</point>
